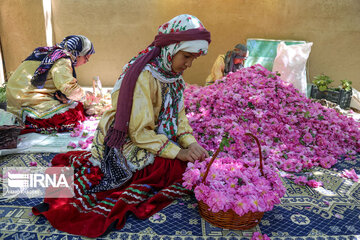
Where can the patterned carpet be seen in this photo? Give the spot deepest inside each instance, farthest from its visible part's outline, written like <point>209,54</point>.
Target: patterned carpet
<point>331,212</point>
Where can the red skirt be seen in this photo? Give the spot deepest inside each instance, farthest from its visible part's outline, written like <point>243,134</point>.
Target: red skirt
<point>147,192</point>
<point>62,122</point>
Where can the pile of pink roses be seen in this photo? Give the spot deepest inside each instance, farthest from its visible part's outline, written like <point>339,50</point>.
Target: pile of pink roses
<point>295,132</point>
<point>234,184</point>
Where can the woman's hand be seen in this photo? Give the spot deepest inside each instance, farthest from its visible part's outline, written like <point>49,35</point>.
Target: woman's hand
<point>61,97</point>
<point>192,153</point>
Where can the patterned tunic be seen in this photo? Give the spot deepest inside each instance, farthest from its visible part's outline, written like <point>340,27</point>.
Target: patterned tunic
<point>144,141</point>
<point>27,100</point>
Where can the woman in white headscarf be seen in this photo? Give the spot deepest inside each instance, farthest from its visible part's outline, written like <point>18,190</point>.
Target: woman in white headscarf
<point>43,91</point>
<point>142,144</point>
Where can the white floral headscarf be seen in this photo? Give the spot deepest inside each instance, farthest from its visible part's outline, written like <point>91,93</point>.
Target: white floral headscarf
<point>161,67</point>
<point>181,23</point>
<point>184,32</point>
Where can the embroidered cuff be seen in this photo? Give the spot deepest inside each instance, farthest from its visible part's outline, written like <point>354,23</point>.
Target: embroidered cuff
<point>185,139</point>
<point>168,150</point>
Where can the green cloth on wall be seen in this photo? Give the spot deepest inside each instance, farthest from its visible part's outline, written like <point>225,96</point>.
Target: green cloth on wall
<point>263,51</point>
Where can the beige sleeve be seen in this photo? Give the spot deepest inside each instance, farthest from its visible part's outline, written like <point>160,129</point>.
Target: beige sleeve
<point>184,134</point>
<point>98,146</point>
<point>217,70</point>
<point>62,76</point>
<point>143,120</point>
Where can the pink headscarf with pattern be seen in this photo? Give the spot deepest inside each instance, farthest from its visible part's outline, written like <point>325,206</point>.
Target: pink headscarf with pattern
<point>172,34</point>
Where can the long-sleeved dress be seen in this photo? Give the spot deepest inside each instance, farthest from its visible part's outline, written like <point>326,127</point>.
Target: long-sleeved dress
<point>149,155</point>
<point>37,107</point>
<point>217,70</point>
<point>143,142</point>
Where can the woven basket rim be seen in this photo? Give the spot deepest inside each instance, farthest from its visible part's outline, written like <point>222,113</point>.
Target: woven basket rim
<point>230,219</point>
<point>5,127</point>
<point>229,211</point>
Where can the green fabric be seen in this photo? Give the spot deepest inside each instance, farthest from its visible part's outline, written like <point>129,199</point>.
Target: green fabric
<point>263,51</point>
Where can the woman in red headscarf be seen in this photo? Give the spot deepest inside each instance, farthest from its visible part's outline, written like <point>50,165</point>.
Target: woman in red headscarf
<point>142,144</point>
<point>232,61</point>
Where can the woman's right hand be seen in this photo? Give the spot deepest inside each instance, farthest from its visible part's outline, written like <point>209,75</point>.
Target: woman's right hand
<point>186,156</point>
<point>190,155</point>
<point>61,97</point>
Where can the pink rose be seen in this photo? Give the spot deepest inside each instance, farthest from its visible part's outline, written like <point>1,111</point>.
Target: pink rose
<point>71,145</point>
<point>302,180</point>
<point>90,139</point>
<point>33,164</point>
<point>314,184</point>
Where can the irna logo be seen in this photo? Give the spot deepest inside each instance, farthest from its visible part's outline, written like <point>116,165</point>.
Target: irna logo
<point>38,182</point>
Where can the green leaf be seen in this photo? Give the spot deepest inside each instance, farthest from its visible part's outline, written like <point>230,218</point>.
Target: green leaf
<point>276,139</point>
<point>221,147</point>
<point>322,88</point>
<point>322,82</point>
<point>240,181</point>
<point>251,105</point>
<point>346,84</point>
<point>224,141</point>
<point>285,156</point>
<point>320,117</point>
<point>307,114</point>
<point>244,119</point>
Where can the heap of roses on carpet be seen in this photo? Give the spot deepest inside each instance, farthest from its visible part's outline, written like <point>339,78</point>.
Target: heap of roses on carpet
<point>296,133</point>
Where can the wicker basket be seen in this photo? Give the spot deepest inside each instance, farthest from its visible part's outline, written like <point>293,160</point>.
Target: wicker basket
<point>9,135</point>
<point>229,219</point>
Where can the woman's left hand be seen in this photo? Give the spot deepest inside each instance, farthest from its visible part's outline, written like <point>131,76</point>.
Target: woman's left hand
<point>199,151</point>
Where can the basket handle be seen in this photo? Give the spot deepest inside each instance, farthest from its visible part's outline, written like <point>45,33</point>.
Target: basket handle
<point>218,151</point>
